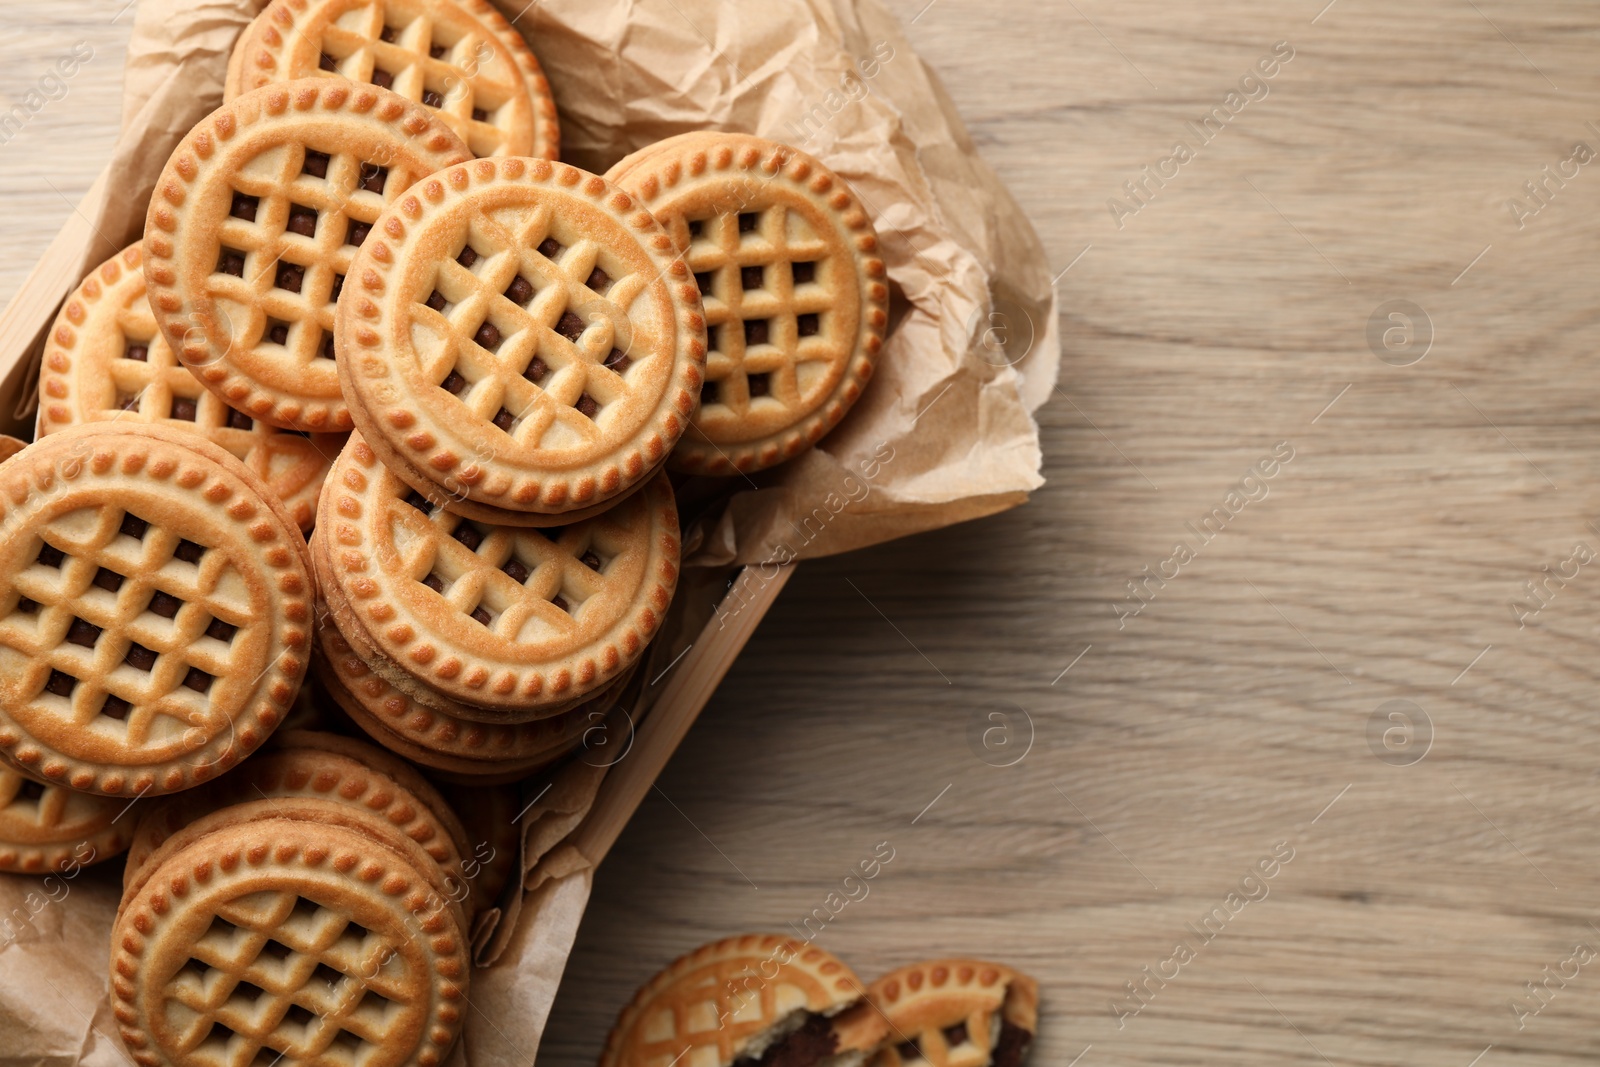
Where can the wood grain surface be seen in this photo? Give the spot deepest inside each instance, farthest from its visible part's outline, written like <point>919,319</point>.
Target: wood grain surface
<point>1160,761</point>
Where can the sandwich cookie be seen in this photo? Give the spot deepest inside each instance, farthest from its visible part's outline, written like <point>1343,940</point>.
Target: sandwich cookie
<point>518,622</point>
<point>289,936</point>
<point>45,828</point>
<point>522,342</point>
<point>956,1013</point>
<point>252,228</point>
<point>796,294</point>
<point>155,610</point>
<point>484,753</point>
<point>320,766</point>
<point>765,1000</point>
<point>105,361</point>
<point>462,60</point>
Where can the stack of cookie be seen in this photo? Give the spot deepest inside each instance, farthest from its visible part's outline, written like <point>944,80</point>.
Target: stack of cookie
<point>775,1001</point>
<point>497,544</point>
<point>320,903</point>
<point>368,305</point>
<point>326,919</point>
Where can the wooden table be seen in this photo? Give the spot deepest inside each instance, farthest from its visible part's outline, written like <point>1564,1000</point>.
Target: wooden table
<point>1440,462</point>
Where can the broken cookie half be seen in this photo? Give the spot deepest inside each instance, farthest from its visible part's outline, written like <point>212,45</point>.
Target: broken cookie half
<point>760,1000</point>
<point>955,1013</point>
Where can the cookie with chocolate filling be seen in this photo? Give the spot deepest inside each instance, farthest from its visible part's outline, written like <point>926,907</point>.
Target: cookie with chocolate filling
<point>760,1000</point>
<point>955,1013</point>
<point>794,288</point>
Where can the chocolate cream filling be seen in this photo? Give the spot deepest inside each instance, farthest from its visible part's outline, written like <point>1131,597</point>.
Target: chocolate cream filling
<point>1011,1046</point>
<point>1008,1043</point>
<point>805,1046</point>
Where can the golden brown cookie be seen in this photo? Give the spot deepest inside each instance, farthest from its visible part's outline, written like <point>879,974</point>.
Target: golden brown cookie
<point>10,446</point>
<point>460,59</point>
<point>641,157</point>
<point>516,620</point>
<point>105,360</point>
<point>435,738</point>
<point>52,828</point>
<point>155,609</point>
<point>795,291</point>
<point>283,938</point>
<point>253,226</point>
<point>233,80</point>
<point>307,764</point>
<point>337,611</point>
<point>956,1013</point>
<point>384,763</point>
<point>763,998</point>
<point>522,342</point>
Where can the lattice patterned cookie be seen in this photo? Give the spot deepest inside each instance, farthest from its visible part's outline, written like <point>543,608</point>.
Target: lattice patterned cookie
<point>745,998</point>
<point>155,609</point>
<point>956,1013</point>
<point>403,799</point>
<point>253,226</point>
<point>339,615</point>
<point>173,823</point>
<point>52,828</point>
<point>522,342</point>
<point>282,940</point>
<point>517,620</point>
<point>105,360</point>
<point>796,296</point>
<point>461,59</point>
<point>382,763</point>
<point>498,752</point>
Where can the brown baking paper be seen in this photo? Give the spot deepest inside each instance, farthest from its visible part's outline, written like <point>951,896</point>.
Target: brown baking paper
<point>943,434</point>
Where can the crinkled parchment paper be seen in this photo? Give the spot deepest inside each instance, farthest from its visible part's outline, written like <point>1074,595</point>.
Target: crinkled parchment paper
<point>943,434</point>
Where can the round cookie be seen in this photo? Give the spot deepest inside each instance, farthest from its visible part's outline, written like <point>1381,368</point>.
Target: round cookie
<point>516,620</point>
<point>47,828</point>
<point>402,798</point>
<point>254,223</point>
<point>956,1013</point>
<point>155,610</point>
<point>642,156</point>
<point>179,822</point>
<point>105,360</point>
<point>521,342</point>
<point>795,292</point>
<point>233,80</point>
<point>460,59</point>
<point>279,937</point>
<point>384,763</point>
<point>434,738</point>
<point>337,610</point>
<point>736,999</point>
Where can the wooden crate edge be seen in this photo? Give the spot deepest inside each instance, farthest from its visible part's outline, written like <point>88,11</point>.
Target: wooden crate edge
<point>688,691</point>
<point>33,308</point>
